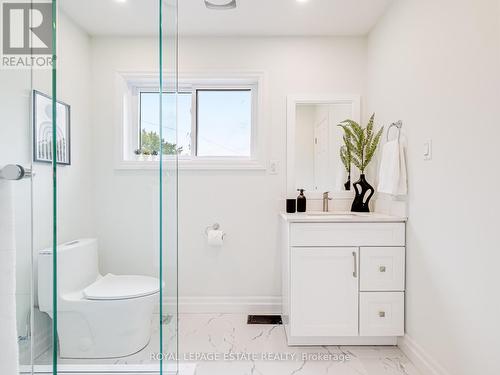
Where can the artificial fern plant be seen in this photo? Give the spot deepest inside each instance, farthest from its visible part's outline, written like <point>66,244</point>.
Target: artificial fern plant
<point>361,143</point>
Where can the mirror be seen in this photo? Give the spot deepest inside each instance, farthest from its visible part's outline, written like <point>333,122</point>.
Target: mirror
<point>314,141</point>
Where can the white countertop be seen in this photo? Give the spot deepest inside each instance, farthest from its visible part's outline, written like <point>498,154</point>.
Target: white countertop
<point>341,217</point>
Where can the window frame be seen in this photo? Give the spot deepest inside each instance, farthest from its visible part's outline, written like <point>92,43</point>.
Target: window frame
<point>129,87</point>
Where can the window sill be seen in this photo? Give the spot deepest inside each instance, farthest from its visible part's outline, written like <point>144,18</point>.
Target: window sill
<point>192,165</point>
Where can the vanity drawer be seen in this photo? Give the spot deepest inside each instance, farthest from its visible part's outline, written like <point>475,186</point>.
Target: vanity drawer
<point>381,314</point>
<point>382,269</point>
<point>347,234</point>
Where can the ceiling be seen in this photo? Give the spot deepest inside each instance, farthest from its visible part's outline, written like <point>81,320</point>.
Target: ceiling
<point>250,18</point>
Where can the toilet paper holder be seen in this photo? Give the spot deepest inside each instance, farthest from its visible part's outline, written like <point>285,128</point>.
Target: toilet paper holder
<point>215,226</point>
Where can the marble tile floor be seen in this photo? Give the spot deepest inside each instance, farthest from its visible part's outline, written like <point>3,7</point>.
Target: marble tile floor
<point>224,344</point>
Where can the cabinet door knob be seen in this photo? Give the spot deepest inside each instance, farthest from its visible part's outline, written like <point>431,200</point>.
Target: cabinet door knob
<point>382,268</point>
<point>381,314</point>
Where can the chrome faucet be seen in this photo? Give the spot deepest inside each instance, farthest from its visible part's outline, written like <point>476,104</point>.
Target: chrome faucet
<point>326,198</point>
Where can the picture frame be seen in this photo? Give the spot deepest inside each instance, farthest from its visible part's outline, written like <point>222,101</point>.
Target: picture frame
<point>42,130</point>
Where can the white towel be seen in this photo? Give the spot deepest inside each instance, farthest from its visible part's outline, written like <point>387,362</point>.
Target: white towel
<point>392,174</point>
<point>9,354</point>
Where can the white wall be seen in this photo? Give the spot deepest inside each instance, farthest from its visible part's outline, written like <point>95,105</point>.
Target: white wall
<point>75,183</point>
<point>436,66</point>
<point>245,203</point>
<point>127,205</point>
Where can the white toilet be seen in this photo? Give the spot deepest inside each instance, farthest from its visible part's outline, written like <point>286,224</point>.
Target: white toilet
<point>98,316</point>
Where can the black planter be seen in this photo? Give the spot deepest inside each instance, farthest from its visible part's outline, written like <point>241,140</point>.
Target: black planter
<point>364,192</point>
<point>347,185</point>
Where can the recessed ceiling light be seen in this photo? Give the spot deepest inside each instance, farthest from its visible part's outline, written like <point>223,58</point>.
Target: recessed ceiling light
<point>302,1</point>
<point>121,1</point>
<point>220,4</point>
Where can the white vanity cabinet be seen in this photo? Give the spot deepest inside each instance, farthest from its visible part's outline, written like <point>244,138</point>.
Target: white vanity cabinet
<point>343,279</point>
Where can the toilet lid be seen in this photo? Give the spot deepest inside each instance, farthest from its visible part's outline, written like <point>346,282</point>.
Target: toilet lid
<point>113,287</point>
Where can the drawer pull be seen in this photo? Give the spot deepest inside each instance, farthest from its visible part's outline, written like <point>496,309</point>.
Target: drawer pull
<point>355,258</point>
<point>382,269</point>
<point>381,314</point>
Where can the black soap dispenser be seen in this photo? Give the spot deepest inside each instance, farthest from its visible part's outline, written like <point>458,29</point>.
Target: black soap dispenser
<point>301,201</point>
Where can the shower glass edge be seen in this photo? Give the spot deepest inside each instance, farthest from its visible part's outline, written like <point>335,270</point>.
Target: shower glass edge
<point>168,62</point>
<point>54,188</point>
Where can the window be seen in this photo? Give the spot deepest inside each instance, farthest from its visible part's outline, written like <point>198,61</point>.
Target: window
<point>149,127</point>
<point>224,126</point>
<point>211,123</point>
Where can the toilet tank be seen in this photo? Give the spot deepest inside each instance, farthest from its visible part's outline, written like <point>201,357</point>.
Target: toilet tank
<point>77,268</point>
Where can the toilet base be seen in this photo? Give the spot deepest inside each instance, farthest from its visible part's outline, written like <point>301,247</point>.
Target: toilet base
<point>106,329</point>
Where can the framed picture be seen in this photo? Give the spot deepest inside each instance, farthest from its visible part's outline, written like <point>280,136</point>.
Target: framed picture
<point>42,130</point>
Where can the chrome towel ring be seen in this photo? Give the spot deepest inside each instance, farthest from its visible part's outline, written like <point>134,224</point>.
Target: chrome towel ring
<point>398,125</point>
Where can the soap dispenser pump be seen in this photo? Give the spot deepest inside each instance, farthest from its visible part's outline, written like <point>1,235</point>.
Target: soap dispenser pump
<point>301,201</point>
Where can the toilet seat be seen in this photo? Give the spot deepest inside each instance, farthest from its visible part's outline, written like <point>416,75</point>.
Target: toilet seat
<point>113,287</point>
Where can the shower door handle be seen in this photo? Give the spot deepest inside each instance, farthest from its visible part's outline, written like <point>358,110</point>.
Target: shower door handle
<point>14,172</point>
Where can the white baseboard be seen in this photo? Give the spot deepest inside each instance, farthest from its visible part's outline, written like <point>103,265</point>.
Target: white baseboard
<point>228,305</point>
<point>422,360</point>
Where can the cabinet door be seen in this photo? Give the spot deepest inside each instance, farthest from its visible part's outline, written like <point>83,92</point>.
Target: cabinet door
<point>382,269</point>
<point>324,291</point>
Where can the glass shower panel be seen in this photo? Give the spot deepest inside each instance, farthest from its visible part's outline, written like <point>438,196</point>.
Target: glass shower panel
<point>15,217</point>
<point>43,142</point>
<point>116,187</point>
<point>170,180</point>
<point>26,183</point>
